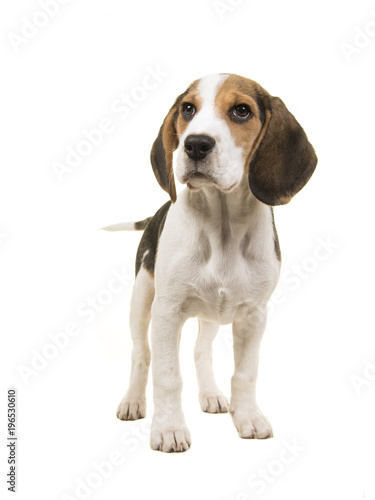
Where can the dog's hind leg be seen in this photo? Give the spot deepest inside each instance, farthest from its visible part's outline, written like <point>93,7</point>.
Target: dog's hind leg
<point>133,404</point>
<point>211,398</point>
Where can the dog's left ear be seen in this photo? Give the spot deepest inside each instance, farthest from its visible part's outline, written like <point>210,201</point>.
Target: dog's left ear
<point>162,151</point>
<point>284,160</point>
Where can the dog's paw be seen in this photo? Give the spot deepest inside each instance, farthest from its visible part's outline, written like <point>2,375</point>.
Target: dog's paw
<point>211,403</point>
<point>251,425</point>
<point>131,409</point>
<point>170,440</point>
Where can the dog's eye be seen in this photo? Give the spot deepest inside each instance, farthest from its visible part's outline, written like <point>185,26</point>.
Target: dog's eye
<point>241,112</point>
<point>188,109</point>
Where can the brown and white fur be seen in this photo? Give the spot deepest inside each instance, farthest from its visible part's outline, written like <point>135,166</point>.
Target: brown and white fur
<point>213,252</point>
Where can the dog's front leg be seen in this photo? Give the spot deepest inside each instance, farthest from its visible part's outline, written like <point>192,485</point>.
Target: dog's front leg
<point>168,431</point>
<point>248,329</point>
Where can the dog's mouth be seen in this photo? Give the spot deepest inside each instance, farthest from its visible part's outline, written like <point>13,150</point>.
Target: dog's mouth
<point>199,176</point>
<point>197,180</point>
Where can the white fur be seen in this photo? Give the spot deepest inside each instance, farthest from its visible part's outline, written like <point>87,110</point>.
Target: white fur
<point>122,226</point>
<point>216,261</point>
<point>133,404</point>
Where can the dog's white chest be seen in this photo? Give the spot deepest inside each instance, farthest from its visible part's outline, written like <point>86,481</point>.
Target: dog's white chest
<point>219,287</point>
<point>211,269</point>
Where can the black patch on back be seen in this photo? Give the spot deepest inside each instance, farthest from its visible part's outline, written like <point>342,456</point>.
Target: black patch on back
<point>276,238</point>
<point>140,225</point>
<point>150,239</point>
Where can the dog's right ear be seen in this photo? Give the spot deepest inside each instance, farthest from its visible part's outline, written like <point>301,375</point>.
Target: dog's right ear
<point>162,150</point>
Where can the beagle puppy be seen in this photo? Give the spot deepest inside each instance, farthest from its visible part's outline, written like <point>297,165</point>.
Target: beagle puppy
<point>213,251</point>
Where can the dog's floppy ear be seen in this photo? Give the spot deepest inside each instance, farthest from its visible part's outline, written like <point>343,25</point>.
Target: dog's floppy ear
<point>284,159</point>
<point>162,150</point>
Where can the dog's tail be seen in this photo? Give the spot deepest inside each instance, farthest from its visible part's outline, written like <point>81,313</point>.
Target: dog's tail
<point>128,226</point>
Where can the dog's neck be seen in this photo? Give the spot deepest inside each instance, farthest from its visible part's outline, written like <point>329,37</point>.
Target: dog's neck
<point>230,216</point>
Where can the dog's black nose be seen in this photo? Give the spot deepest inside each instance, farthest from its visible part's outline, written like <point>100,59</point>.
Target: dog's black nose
<point>198,146</point>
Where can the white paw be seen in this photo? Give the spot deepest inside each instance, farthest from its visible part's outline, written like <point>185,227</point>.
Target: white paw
<point>211,403</point>
<point>170,440</point>
<point>251,425</point>
<point>131,409</point>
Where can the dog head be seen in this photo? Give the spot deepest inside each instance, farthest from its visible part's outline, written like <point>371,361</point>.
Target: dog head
<point>226,127</point>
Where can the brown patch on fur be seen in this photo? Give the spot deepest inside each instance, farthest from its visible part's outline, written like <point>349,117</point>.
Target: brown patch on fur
<point>237,90</point>
<point>194,98</point>
<point>167,142</point>
<point>278,157</point>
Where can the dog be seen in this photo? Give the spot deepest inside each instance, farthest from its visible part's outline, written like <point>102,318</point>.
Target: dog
<point>213,251</point>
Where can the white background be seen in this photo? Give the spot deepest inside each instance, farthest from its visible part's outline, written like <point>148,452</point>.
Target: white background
<point>53,257</point>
